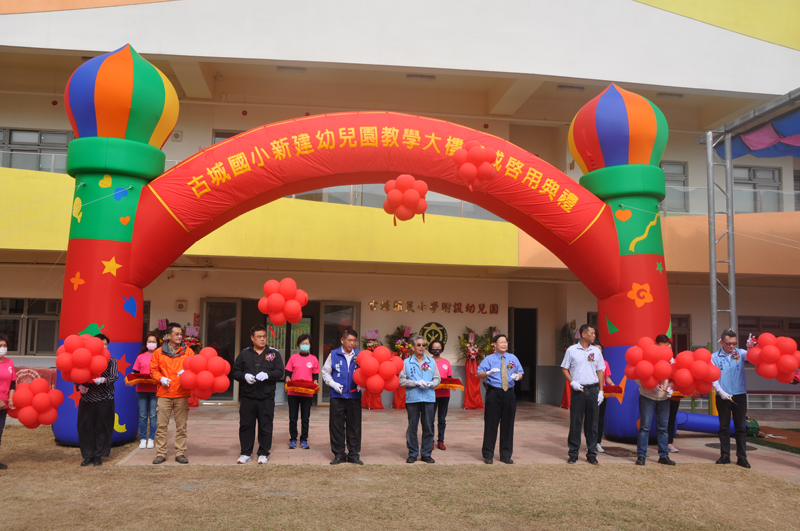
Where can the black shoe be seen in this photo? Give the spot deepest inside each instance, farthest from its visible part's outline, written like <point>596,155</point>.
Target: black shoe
<point>488,461</point>
<point>665,461</point>
<point>411,460</point>
<point>742,462</point>
<point>182,459</point>
<point>88,461</point>
<point>640,461</point>
<point>337,461</point>
<point>3,467</point>
<point>355,461</point>
<point>572,460</point>
<point>592,460</point>
<point>507,460</point>
<point>724,461</point>
<point>159,459</point>
<point>98,461</point>
<point>428,459</point>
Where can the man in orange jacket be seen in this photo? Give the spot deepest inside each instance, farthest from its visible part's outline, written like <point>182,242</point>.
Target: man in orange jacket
<point>166,366</point>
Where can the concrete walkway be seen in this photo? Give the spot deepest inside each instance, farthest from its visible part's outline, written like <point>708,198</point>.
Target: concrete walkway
<point>540,437</point>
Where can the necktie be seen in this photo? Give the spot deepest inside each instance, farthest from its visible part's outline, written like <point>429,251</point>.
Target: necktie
<point>503,372</point>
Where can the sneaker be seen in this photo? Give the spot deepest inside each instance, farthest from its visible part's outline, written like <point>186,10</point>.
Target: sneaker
<point>600,449</point>
<point>143,443</point>
<point>151,444</point>
<point>262,459</point>
<point>304,445</point>
<point>292,444</point>
<point>672,449</point>
<point>243,459</point>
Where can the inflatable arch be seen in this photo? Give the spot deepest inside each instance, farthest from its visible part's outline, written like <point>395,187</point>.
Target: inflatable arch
<point>606,229</point>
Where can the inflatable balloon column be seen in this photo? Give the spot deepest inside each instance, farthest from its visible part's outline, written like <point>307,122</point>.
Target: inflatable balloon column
<point>122,110</point>
<point>618,139</point>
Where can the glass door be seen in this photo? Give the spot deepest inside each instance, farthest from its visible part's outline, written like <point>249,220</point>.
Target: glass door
<point>221,318</point>
<point>336,316</point>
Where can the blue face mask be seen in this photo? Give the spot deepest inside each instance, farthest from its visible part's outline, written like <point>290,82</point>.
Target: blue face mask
<point>305,348</point>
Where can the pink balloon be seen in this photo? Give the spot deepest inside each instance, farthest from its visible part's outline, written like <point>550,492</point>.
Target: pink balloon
<point>394,198</point>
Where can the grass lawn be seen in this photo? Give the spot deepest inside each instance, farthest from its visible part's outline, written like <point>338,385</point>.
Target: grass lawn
<point>45,488</point>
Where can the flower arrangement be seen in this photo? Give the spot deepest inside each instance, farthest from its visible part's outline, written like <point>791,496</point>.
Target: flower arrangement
<point>475,350</point>
<point>193,342</point>
<point>565,339</point>
<point>398,344</point>
<point>488,339</point>
<point>370,344</point>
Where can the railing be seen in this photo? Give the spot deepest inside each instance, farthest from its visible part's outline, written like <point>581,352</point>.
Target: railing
<point>693,201</point>
<point>47,162</point>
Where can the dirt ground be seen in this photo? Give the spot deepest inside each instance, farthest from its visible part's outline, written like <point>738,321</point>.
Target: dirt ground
<point>44,488</point>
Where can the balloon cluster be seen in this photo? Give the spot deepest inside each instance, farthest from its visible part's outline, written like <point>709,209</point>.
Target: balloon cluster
<point>475,163</point>
<point>282,301</point>
<point>774,357</point>
<point>650,364</point>
<point>693,371</point>
<point>378,370</point>
<point>206,373</point>
<point>35,403</point>
<point>405,197</point>
<point>82,358</point>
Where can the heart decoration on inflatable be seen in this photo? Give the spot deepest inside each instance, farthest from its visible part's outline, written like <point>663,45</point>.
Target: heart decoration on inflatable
<point>405,197</point>
<point>206,373</point>
<point>377,371</point>
<point>36,403</point>
<point>283,301</point>
<point>82,358</point>
<point>475,164</point>
<point>775,357</point>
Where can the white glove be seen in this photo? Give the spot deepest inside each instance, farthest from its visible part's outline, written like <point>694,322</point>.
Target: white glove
<point>82,388</point>
<point>165,381</point>
<point>575,385</point>
<point>99,380</point>
<point>600,398</point>
<point>516,376</point>
<point>723,395</point>
<point>492,371</point>
<point>421,383</point>
<point>751,342</point>
<point>180,372</point>
<point>361,388</point>
<point>337,387</point>
<point>249,378</point>
<point>262,376</point>
<point>670,390</point>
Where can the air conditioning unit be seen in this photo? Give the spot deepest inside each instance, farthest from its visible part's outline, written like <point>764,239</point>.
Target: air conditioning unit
<point>181,306</point>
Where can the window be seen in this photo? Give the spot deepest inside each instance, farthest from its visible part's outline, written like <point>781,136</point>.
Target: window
<point>677,199</point>
<point>34,150</point>
<point>779,326</point>
<point>219,136</point>
<point>756,190</point>
<point>31,325</point>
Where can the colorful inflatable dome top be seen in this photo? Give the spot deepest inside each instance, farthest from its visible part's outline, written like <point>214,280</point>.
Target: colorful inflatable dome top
<point>615,128</point>
<point>121,95</point>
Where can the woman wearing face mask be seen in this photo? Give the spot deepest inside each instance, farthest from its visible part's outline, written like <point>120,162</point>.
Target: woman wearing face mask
<point>8,382</point>
<point>146,392</point>
<point>442,395</point>
<point>301,366</point>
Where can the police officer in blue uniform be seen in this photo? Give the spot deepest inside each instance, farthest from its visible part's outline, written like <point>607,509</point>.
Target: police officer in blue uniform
<point>731,397</point>
<point>345,410</point>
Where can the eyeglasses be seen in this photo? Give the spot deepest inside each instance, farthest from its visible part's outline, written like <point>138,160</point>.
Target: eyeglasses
<point>729,344</point>
<point>421,345</point>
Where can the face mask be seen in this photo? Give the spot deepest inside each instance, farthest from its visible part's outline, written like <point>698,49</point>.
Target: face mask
<point>151,346</point>
<point>436,351</point>
<point>3,351</point>
<point>305,348</point>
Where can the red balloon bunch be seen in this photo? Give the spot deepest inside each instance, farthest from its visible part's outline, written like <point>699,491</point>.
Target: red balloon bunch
<point>81,359</point>
<point>206,373</point>
<point>405,197</point>
<point>475,163</point>
<point>378,370</point>
<point>283,301</point>
<point>693,371</point>
<point>648,363</point>
<point>775,357</point>
<point>35,403</point>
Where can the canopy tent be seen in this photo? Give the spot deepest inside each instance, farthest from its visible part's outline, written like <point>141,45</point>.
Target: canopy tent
<point>780,137</point>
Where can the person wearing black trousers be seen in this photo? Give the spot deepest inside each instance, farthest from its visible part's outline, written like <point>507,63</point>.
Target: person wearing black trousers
<point>257,368</point>
<point>601,415</point>
<point>96,414</point>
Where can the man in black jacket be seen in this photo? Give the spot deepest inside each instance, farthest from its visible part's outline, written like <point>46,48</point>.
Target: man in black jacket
<point>258,369</point>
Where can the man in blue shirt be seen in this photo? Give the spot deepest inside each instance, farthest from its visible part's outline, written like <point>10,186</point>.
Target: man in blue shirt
<point>501,370</point>
<point>731,397</point>
<point>419,376</point>
<point>345,410</point>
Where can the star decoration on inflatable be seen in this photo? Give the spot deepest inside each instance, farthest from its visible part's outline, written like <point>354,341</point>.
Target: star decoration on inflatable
<point>76,396</point>
<point>77,280</point>
<point>122,365</point>
<point>111,266</point>
<point>659,267</point>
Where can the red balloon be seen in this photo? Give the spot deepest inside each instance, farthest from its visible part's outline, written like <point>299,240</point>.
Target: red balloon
<point>786,345</point>
<point>81,357</point>
<point>491,155</point>
<point>486,171</point>
<point>375,384</point>
<point>666,353</point>
<point>263,305</point>
<point>95,345</point>
<point>630,372</point>
<point>294,319</point>
<point>468,172</point>
<point>359,378</point>
<point>12,412</point>
<point>39,385</point>
<point>398,364</point>
<point>364,354</point>
<point>767,370</point>
<point>56,397</point>
<point>23,385</point>
<point>205,380</point>
<point>292,308</point>
<point>785,377</point>
<point>41,402</point>
<point>78,376</point>
<point>422,206</point>
<point>644,369</point>
<point>662,370</point>
<point>73,343</point>
<point>421,187</point>
<point>61,350</point>
<point>67,376</point>
<point>634,355</point>
<point>382,354</point>
<point>227,366</point>
<point>28,416</point>
<point>699,370</point>
<point>221,384</point>
<point>216,366</point>
<point>369,366</point>
<point>288,288</point>
<point>684,359</point>
<point>301,297</point>
<point>106,354</point>
<point>703,387</point>
<point>769,354</point>
<point>48,417</point>
<point>411,198</point>
<point>389,209</point>
<point>391,184</point>
<point>713,373</point>
<point>203,394</point>
<point>405,182</point>
<point>702,354</point>
<point>787,363</point>
<point>270,287</point>
<point>189,379</point>
<point>394,198</point>
<point>476,155</point>
<point>753,356</point>
<point>645,342</point>
<point>471,144</point>
<point>649,383</point>
<point>98,364</point>
<point>386,370</point>
<point>208,352</point>
<point>652,353</point>
<point>404,213</point>
<point>796,355</point>
<point>766,339</point>
<point>275,303</point>
<point>392,385</point>
<point>683,377</point>
<point>197,364</point>
<point>460,157</point>
<point>22,397</point>
<point>278,319</point>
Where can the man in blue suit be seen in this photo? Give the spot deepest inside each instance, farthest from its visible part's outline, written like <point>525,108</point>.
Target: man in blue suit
<point>345,411</point>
